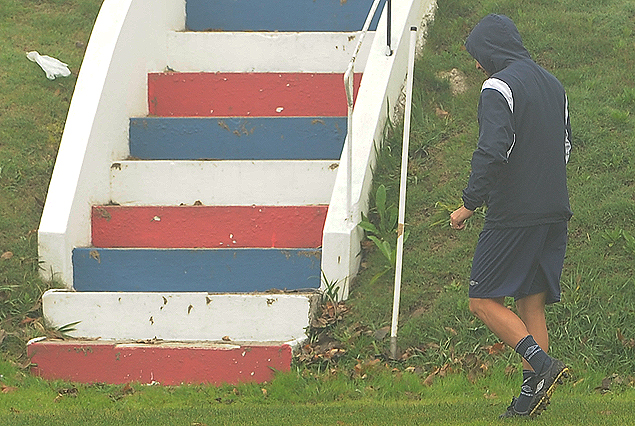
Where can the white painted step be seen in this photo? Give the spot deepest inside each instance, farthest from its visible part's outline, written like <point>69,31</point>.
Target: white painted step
<point>223,182</point>
<point>181,316</point>
<point>293,51</point>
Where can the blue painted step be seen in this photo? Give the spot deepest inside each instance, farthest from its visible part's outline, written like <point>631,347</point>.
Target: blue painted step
<point>233,138</point>
<point>191,270</point>
<point>278,15</point>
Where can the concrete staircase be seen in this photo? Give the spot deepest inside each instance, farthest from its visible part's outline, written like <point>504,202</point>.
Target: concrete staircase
<point>207,255</point>
<point>196,204</point>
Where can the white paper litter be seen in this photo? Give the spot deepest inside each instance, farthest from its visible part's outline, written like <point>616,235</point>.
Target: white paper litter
<point>51,66</point>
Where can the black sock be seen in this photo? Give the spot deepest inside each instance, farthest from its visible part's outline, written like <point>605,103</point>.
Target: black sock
<point>533,354</point>
<point>526,392</point>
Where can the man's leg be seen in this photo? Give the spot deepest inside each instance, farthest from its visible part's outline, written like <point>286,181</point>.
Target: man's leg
<point>511,329</point>
<point>506,259</point>
<point>532,312</point>
<point>502,321</point>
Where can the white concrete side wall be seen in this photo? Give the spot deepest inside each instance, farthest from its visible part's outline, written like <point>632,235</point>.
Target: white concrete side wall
<point>264,51</point>
<point>128,40</point>
<point>381,86</point>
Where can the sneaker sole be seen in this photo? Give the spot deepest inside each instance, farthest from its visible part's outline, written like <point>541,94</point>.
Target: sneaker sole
<point>544,401</point>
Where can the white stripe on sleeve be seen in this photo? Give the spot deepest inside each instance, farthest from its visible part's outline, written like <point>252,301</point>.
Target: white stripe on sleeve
<point>501,87</point>
<point>567,136</point>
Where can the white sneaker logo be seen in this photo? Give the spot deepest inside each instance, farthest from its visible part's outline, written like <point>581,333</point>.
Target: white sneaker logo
<point>540,385</point>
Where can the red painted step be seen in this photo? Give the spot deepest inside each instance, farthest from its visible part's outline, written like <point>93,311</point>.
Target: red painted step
<point>166,363</point>
<point>248,94</point>
<point>208,226</point>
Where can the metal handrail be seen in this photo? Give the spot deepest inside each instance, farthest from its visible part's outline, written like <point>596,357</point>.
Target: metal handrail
<point>349,77</point>
<point>388,27</point>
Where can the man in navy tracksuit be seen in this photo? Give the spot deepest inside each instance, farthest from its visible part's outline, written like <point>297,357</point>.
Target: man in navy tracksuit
<point>518,171</point>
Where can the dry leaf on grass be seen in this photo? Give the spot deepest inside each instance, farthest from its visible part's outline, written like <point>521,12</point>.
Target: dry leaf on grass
<point>66,392</point>
<point>7,389</point>
<point>441,113</point>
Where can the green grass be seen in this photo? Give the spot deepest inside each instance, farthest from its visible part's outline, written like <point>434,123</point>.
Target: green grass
<point>587,44</point>
<point>383,397</point>
<point>32,114</point>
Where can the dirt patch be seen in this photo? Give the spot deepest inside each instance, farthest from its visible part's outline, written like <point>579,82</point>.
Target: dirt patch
<point>458,80</point>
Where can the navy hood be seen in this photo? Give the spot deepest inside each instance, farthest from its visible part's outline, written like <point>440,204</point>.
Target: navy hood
<point>495,43</point>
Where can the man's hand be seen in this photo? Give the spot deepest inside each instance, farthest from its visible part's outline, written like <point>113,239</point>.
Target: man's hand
<point>459,216</point>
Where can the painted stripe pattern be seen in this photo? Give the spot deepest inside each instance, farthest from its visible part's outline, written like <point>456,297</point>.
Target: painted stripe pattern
<point>278,15</point>
<point>232,138</point>
<point>248,94</point>
<point>192,270</point>
<point>165,364</point>
<point>181,316</point>
<point>208,226</point>
<point>289,182</point>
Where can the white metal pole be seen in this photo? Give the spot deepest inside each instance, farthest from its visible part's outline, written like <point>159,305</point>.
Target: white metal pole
<point>402,193</point>
<point>349,77</point>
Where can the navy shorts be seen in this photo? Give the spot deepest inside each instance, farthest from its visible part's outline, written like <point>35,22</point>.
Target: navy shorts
<point>519,262</point>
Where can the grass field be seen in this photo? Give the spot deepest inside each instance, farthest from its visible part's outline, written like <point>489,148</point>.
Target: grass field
<point>382,398</point>
<point>453,371</point>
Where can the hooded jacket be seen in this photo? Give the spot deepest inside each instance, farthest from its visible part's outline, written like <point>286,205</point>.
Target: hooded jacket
<point>519,166</point>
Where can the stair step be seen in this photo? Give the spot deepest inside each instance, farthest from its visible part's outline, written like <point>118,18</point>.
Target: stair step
<point>209,270</point>
<point>230,138</point>
<point>277,15</point>
<point>165,363</point>
<point>291,182</point>
<point>248,94</point>
<point>207,226</point>
<point>201,316</point>
<point>309,52</point>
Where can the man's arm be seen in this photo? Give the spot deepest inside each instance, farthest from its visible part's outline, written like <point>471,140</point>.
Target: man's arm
<point>496,141</point>
<point>495,145</point>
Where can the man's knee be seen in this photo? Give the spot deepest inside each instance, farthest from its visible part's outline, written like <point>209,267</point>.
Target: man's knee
<point>476,307</point>
<point>479,307</point>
